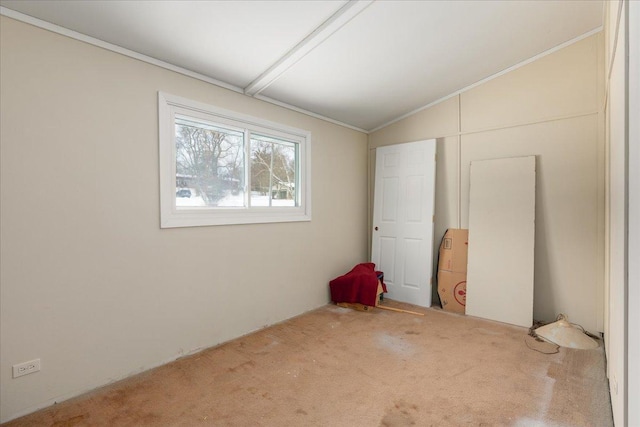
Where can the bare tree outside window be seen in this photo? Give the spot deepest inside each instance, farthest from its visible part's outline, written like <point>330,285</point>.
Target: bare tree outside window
<point>209,165</point>
<point>273,172</point>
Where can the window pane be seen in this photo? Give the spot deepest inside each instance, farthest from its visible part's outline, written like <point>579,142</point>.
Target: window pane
<point>273,172</point>
<point>209,165</point>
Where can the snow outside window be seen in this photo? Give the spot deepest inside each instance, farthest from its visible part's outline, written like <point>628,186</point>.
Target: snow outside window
<point>221,167</point>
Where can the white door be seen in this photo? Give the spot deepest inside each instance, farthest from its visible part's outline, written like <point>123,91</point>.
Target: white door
<point>402,236</point>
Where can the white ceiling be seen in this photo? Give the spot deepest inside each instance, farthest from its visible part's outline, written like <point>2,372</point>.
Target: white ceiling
<point>362,63</point>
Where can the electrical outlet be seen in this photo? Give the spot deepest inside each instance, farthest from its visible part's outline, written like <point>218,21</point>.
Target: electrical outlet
<point>25,368</point>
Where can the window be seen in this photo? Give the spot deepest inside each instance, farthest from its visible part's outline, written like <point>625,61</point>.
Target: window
<point>221,167</point>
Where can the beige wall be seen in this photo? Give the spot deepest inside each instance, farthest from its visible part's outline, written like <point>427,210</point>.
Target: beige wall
<point>550,108</point>
<point>633,215</point>
<point>90,284</point>
<point>621,325</point>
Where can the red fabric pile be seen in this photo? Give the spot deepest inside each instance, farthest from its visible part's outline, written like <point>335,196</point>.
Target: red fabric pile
<point>360,285</point>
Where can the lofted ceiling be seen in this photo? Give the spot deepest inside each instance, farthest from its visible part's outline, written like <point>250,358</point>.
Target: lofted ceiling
<point>359,63</point>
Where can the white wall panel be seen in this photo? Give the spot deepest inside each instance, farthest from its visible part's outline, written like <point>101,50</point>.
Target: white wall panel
<point>501,240</point>
<point>617,194</point>
<point>554,86</point>
<point>633,255</point>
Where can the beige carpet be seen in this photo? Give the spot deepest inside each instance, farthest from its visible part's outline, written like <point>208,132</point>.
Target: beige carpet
<point>339,367</point>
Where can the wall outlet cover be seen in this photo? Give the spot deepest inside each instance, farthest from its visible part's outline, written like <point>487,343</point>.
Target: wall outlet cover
<point>25,368</point>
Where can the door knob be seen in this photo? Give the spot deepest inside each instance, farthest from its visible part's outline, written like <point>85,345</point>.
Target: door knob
<point>376,228</point>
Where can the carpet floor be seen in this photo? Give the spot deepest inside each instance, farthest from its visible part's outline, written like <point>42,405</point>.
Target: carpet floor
<point>338,367</point>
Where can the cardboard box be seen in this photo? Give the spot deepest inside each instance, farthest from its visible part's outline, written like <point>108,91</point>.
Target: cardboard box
<point>453,250</point>
<point>452,289</point>
<point>452,270</point>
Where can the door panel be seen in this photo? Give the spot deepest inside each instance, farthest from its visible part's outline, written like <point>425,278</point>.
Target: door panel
<point>412,263</point>
<point>402,239</point>
<point>414,197</point>
<point>387,258</point>
<point>390,197</point>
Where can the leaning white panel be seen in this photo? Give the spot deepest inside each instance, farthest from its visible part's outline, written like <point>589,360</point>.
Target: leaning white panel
<point>501,240</point>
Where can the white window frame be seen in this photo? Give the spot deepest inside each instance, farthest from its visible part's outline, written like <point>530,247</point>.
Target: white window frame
<point>170,216</point>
